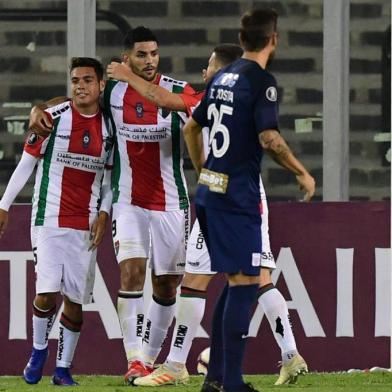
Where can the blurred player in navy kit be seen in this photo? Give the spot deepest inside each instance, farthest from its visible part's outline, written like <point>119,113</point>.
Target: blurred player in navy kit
<point>240,108</point>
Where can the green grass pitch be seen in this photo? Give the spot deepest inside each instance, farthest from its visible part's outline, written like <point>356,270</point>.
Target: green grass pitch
<point>313,382</point>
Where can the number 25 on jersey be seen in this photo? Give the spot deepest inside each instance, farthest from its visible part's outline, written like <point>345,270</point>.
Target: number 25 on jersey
<point>217,127</point>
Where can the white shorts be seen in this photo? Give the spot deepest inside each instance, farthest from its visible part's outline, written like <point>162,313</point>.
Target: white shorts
<point>64,263</point>
<point>161,236</point>
<point>198,260</point>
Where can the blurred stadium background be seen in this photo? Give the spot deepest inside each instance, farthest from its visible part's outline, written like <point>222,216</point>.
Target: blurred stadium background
<point>33,64</point>
<point>333,69</point>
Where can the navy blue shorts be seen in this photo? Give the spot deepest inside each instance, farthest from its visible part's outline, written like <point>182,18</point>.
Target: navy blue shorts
<point>233,240</point>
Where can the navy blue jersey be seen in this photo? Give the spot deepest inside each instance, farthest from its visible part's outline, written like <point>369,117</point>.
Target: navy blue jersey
<point>240,102</point>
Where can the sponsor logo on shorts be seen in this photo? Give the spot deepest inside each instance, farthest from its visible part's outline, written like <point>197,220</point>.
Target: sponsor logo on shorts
<point>267,256</point>
<point>194,263</point>
<point>200,240</point>
<point>186,227</point>
<point>181,264</point>
<point>117,247</point>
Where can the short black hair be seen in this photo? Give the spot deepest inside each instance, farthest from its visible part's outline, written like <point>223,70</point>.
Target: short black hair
<point>227,53</point>
<point>77,62</point>
<point>257,27</point>
<point>138,34</point>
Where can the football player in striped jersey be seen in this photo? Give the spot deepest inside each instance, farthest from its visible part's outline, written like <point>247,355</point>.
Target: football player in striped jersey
<point>71,205</point>
<point>150,200</point>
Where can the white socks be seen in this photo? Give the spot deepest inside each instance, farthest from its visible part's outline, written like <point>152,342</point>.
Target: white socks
<point>130,308</point>
<point>189,315</point>
<point>69,332</point>
<point>275,308</point>
<point>42,325</point>
<point>158,320</point>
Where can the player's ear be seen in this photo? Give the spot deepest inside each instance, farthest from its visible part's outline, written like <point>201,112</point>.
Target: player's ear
<point>102,85</point>
<point>240,39</point>
<point>274,39</point>
<point>125,57</point>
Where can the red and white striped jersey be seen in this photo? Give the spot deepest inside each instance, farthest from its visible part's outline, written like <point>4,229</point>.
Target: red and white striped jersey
<point>148,158</point>
<point>70,169</point>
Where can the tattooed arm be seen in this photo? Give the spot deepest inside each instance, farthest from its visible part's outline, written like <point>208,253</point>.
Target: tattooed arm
<point>276,146</point>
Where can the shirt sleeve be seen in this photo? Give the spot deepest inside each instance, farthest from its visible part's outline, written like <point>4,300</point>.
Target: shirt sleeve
<point>266,106</point>
<point>191,101</point>
<point>200,112</point>
<point>18,179</point>
<point>36,145</point>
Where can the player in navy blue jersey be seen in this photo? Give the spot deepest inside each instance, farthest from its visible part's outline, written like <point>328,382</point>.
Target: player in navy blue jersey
<point>240,108</point>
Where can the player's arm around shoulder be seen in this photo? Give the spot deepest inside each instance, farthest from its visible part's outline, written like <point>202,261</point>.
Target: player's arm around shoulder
<point>153,92</point>
<point>272,141</point>
<point>39,121</point>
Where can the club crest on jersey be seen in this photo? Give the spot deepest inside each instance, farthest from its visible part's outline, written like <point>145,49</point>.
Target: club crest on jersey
<point>139,110</point>
<point>32,139</point>
<point>86,138</point>
<point>271,94</point>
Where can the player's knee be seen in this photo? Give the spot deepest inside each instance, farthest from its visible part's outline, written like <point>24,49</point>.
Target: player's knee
<point>45,301</point>
<point>166,286</point>
<point>166,292</point>
<point>265,277</point>
<point>196,281</point>
<point>73,311</point>
<point>132,282</point>
<point>132,275</point>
